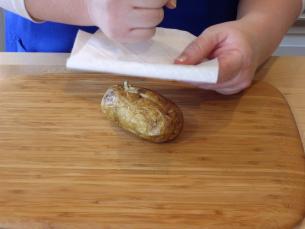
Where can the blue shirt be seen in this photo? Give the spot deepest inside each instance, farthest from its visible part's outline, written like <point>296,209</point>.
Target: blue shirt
<point>194,16</point>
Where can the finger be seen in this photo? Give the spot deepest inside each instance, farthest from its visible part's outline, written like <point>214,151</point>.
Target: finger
<point>172,4</point>
<point>236,85</point>
<point>139,35</point>
<point>145,18</point>
<point>199,49</point>
<point>230,71</point>
<point>230,66</point>
<point>150,4</point>
<point>229,84</point>
<point>230,91</point>
<point>241,81</point>
<point>235,88</point>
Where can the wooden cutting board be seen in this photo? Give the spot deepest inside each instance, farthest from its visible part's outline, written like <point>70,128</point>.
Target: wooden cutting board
<point>239,162</point>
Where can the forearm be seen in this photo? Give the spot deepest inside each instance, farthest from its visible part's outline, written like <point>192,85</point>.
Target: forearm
<point>65,11</point>
<point>268,21</point>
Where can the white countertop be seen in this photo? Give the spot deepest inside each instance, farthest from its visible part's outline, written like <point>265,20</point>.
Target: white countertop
<point>43,59</point>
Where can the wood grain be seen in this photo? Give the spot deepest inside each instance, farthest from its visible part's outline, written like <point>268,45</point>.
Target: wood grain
<point>239,162</point>
<point>287,75</point>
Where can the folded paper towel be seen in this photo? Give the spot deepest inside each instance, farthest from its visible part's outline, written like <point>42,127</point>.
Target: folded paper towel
<point>150,59</point>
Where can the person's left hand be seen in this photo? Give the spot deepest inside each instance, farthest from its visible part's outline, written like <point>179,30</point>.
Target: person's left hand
<point>236,50</point>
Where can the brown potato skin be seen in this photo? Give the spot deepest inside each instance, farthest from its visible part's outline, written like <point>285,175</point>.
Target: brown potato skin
<point>143,112</point>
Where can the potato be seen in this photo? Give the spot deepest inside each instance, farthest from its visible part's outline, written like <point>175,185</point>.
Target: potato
<point>143,112</point>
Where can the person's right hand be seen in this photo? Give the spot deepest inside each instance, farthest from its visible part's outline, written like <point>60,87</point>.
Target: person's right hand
<point>128,20</point>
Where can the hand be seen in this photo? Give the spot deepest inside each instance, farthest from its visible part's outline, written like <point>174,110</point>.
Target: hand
<point>236,50</point>
<point>128,20</point>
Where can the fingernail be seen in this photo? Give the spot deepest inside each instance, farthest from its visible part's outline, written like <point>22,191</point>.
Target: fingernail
<point>182,59</point>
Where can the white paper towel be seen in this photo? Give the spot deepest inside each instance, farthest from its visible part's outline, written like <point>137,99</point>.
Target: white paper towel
<point>150,59</point>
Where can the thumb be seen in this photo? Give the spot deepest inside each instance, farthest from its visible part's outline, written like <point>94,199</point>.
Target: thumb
<point>172,4</point>
<point>199,49</point>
